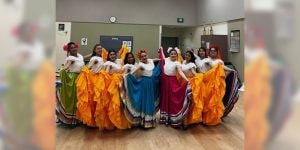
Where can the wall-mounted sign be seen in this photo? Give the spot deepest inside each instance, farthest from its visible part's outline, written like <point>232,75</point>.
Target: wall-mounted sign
<point>83,41</point>
<point>61,27</point>
<point>234,41</point>
<point>180,20</point>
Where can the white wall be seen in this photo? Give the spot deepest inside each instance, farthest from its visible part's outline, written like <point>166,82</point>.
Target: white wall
<point>191,37</point>
<point>219,10</point>
<point>62,38</point>
<point>159,12</point>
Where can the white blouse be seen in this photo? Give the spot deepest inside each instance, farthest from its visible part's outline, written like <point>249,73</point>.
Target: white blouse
<point>214,62</point>
<point>116,66</point>
<point>170,67</point>
<point>148,68</point>
<point>202,64</point>
<point>129,67</point>
<point>186,68</point>
<point>97,66</point>
<point>77,64</point>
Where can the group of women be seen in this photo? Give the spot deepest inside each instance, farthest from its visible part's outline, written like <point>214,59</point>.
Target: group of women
<point>122,93</point>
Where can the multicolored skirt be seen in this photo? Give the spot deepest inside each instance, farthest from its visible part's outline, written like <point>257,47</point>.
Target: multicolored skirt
<point>232,92</point>
<point>140,97</point>
<point>66,99</point>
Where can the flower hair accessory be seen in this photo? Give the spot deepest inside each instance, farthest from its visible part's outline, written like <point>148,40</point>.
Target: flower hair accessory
<point>66,47</point>
<point>138,54</point>
<point>176,48</point>
<point>217,48</point>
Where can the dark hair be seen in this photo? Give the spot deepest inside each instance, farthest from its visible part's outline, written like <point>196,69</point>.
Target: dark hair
<point>69,45</point>
<point>216,48</point>
<point>193,58</point>
<point>204,49</point>
<point>126,58</point>
<point>110,51</point>
<point>172,50</point>
<point>94,53</point>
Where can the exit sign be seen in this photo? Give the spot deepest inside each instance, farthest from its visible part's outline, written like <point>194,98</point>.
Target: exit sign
<point>180,20</point>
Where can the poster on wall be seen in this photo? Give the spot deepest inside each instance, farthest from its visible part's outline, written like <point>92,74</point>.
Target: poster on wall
<point>234,41</point>
<point>83,41</point>
<point>116,42</point>
<point>61,27</point>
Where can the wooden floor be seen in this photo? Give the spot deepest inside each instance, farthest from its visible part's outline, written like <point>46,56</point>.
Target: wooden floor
<point>228,135</point>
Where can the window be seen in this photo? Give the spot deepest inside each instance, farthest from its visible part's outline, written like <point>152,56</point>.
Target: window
<point>234,41</point>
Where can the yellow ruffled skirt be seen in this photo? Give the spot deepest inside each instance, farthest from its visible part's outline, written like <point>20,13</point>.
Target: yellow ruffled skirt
<point>215,87</point>
<point>195,113</point>
<point>85,97</point>
<point>109,110</point>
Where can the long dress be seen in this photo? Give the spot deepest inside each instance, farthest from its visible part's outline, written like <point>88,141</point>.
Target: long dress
<point>175,103</point>
<point>196,92</point>
<point>86,81</point>
<point>140,96</point>
<point>66,98</point>
<point>232,85</point>
<point>109,109</point>
<point>213,108</point>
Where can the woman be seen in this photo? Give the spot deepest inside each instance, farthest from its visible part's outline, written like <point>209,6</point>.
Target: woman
<point>201,60</point>
<point>232,82</point>
<point>141,94</point>
<point>212,61</point>
<point>174,102</point>
<point>109,111</point>
<point>85,84</point>
<point>96,61</point>
<point>129,63</point>
<point>195,90</point>
<point>214,80</point>
<point>68,99</point>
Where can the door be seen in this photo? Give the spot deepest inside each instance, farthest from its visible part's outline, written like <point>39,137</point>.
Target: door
<point>219,40</point>
<point>167,42</point>
<point>115,42</point>
<point>63,36</point>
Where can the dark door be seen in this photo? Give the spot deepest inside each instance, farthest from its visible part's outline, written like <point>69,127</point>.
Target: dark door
<point>167,42</point>
<point>217,40</point>
<point>115,42</point>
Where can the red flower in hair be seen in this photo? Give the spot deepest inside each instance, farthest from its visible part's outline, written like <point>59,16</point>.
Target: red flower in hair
<point>77,45</point>
<point>66,47</point>
<point>138,53</point>
<point>217,49</point>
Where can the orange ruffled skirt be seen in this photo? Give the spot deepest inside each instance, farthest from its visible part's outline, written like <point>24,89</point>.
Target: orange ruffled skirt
<point>109,109</point>
<point>208,90</point>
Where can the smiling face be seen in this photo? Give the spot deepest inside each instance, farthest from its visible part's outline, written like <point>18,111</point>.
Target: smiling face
<point>201,53</point>
<point>213,53</point>
<point>73,49</point>
<point>144,57</point>
<point>173,55</point>
<point>187,57</point>
<point>112,56</point>
<point>130,59</point>
<point>98,50</point>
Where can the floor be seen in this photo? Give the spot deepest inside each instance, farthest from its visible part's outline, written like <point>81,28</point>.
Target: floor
<point>228,135</point>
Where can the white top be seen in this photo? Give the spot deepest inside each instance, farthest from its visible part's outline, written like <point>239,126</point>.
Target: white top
<point>116,66</point>
<point>97,66</point>
<point>202,64</point>
<point>148,68</point>
<point>130,67</point>
<point>170,67</point>
<point>186,68</point>
<point>77,64</point>
<point>214,62</point>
